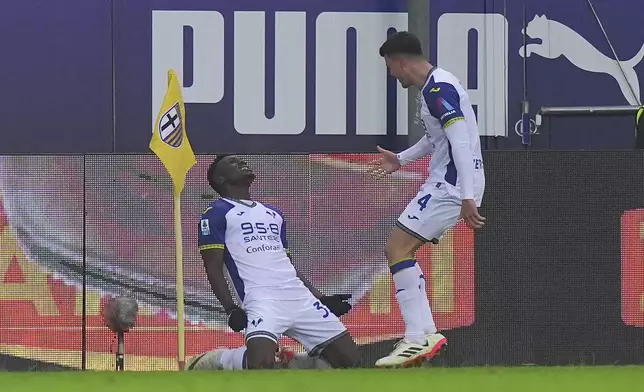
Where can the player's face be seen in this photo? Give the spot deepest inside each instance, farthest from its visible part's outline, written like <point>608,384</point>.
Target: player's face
<point>236,171</point>
<point>397,69</point>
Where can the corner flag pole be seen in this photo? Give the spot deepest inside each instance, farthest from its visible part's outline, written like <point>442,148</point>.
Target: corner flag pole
<point>178,238</point>
<point>170,143</point>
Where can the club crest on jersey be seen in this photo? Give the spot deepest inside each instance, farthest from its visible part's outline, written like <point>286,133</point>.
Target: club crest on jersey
<point>171,127</point>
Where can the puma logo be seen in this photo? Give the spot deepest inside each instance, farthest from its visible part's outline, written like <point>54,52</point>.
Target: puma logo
<point>558,39</point>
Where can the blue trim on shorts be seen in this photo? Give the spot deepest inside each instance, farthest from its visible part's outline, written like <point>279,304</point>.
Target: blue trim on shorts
<point>317,350</point>
<point>262,334</point>
<point>412,233</point>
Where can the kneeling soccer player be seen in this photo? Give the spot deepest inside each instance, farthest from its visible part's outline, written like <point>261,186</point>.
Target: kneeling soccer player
<point>246,240</point>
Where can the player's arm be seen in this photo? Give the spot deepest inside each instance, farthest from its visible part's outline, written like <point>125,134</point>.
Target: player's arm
<point>444,103</point>
<point>422,148</point>
<point>213,261</point>
<point>212,232</point>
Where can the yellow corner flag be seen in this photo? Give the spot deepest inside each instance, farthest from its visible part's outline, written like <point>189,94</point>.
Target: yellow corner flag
<point>170,143</point>
<point>169,139</point>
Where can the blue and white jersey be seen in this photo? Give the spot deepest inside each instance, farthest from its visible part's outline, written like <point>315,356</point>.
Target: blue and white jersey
<point>444,102</point>
<point>253,238</point>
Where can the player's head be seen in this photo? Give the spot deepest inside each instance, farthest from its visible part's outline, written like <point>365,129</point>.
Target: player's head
<point>402,51</point>
<point>228,171</point>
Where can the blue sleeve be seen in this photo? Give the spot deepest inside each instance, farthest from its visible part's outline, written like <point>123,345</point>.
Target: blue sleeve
<point>444,103</point>
<point>283,228</point>
<point>283,234</point>
<point>212,227</point>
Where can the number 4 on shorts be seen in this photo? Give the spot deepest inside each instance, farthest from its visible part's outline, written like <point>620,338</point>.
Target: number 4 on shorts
<point>422,202</point>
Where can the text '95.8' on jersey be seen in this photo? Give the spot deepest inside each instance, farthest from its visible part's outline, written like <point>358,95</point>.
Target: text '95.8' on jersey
<point>253,238</point>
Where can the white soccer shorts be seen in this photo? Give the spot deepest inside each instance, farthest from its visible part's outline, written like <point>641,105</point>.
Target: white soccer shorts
<point>305,320</point>
<point>429,215</point>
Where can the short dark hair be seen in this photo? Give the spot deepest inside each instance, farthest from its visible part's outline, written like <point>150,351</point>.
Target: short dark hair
<point>212,170</point>
<point>401,42</point>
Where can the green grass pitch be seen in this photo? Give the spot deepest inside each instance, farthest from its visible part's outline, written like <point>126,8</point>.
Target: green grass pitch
<point>519,379</point>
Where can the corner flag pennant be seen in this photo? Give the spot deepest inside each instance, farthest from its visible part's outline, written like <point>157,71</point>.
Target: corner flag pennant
<point>169,139</point>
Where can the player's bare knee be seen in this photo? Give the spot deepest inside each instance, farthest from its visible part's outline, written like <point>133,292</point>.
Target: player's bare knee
<point>260,353</point>
<point>259,365</point>
<point>260,360</point>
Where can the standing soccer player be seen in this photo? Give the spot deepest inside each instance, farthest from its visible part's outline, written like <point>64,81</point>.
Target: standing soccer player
<point>452,192</point>
<point>247,240</point>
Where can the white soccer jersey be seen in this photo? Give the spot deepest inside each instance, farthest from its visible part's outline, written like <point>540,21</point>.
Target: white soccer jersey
<point>253,237</point>
<point>444,102</point>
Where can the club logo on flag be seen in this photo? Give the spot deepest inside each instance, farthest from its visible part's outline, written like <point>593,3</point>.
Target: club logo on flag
<point>171,127</point>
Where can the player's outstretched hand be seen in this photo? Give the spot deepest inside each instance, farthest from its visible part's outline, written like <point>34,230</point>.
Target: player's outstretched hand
<point>470,214</point>
<point>237,319</point>
<point>338,304</point>
<point>386,164</point>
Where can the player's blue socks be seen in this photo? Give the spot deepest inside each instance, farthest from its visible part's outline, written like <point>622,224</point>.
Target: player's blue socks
<point>401,265</point>
<point>414,306</point>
